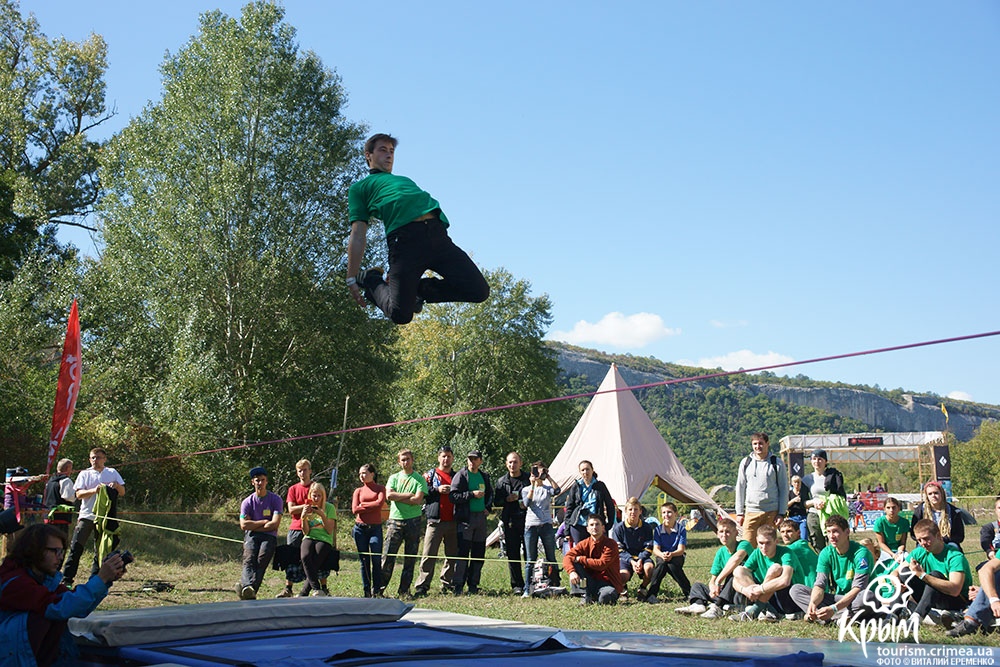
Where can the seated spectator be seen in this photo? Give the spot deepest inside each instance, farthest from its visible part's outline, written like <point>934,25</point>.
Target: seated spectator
<point>319,537</point>
<point>798,494</point>
<point>669,546</point>
<point>989,534</point>
<point>842,571</point>
<point>891,530</point>
<point>882,564</point>
<point>35,607</point>
<point>260,515</point>
<point>536,498</point>
<point>941,573</point>
<point>936,508</point>
<point>767,577</point>
<point>710,601</point>
<point>635,539</point>
<point>798,545</point>
<point>983,615</point>
<point>594,561</point>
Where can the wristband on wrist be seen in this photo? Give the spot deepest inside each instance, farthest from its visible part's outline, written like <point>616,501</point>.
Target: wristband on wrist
<point>834,608</point>
<point>992,600</point>
<point>352,281</point>
<point>922,575</point>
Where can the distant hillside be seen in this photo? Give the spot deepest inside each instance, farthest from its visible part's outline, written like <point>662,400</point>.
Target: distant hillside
<point>708,422</point>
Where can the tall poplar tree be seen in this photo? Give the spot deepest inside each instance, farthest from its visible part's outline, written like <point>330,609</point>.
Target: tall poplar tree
<point>224,318</point>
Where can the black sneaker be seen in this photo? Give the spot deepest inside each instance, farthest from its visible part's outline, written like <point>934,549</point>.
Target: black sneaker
<point>371,275</point>
<point>420,592</point>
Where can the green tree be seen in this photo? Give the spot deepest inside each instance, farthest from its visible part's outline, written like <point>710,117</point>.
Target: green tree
<point>460,357</point>
<point>223,315</point>
<point>34,306</point>
<point>975,465</point>
<point>51,96</point>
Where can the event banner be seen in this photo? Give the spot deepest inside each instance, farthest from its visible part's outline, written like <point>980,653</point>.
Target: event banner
<point>68,387</point>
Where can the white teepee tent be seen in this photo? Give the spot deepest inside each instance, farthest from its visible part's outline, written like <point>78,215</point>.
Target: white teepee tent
<point>628,453</point>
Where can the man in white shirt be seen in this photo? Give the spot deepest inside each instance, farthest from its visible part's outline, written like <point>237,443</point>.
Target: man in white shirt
<point>88,482</point>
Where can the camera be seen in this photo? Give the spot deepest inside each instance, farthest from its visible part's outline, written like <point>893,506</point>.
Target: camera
<point>127,557</point>
<point>534,471</point>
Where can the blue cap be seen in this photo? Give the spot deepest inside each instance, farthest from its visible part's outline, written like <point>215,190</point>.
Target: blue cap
<point>257,471</point>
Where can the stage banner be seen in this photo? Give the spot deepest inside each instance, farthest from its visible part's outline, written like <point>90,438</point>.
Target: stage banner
<point>68,387</point>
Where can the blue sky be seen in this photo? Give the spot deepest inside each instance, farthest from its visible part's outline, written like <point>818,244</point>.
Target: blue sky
<point>717,183</point>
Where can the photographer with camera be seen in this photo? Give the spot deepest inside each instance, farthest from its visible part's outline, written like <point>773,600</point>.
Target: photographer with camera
<point>35,606</point>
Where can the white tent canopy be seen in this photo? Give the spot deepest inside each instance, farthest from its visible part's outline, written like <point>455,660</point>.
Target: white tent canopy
<point>628,453</point>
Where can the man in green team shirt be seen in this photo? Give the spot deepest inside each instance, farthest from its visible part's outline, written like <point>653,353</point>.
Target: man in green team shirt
<point>791,536</point>
<point>416,232</point>
<point>709,601</point>
<point>767,577</point>
<point>941,574</point>
<point>472,495</point>
<point>405,491</point>
<point>841,576</point>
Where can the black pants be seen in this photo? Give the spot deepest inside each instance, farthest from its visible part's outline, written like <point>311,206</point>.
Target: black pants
<point>675,567</point>
<point>513,538</point>
<point>81,535</point>
<point>314,553</point>
<point>928,597</point>
<point>699,593</point>
<point>413,249</point>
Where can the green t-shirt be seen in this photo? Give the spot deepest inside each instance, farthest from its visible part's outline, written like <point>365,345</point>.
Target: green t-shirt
<point>890,532</point>
<point>316,529</point>
<point>745,547</point>
<point>721,558</point>
<point>807,559</point>
<point>759,564</point>
<point>400,482</point>
<point>841,570</point>
<point>395,200</point>
<point>477,483</point>
<point>949,560</point>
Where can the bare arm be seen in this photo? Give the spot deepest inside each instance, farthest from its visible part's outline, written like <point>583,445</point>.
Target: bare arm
<point>355,252</point>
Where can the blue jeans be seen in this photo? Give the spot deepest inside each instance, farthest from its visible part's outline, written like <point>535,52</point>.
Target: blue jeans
<point>258,548</point>
<point>980,607</point>
<point>803,527</point>
<point>368,540</point>
<point>531,536</point>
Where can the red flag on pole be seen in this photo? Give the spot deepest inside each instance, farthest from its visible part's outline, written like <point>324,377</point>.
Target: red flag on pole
<point>68,388</point>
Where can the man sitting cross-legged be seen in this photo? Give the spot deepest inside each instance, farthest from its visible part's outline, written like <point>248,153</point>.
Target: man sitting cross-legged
<point>841,575</point>
<point>710,600</point>
<point>669,547</point>
<point>594,561</point>
<point>941,574</point>
<point>634,538</point>
<point>767,577</point>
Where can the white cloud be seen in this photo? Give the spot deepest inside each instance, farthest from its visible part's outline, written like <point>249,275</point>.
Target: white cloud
<point>618,330</point>
<point>960,395</point>
<point>733,324</point>
<point>741,359</point>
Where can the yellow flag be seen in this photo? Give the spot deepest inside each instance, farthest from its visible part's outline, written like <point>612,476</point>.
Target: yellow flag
<point>945,411</point>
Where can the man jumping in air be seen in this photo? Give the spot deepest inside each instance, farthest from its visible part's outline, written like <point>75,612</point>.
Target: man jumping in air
<point>417,237</point>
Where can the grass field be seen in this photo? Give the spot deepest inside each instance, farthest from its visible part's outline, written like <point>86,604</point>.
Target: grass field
<point>203,569</point>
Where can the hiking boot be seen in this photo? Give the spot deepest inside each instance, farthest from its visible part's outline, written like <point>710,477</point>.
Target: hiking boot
<point>641,595</point>
<point>968,626</point>
<point>286,593</point>
<point>713,611</point>
<point>950,619</point>
<point>319,594</point>
<point>652,599</point>
<point>248,593</point>
<point>692,609</point>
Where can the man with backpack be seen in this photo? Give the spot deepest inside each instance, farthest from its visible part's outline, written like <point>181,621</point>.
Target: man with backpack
<point>761,488</point>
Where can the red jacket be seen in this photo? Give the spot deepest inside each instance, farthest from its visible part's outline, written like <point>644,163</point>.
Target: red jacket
<point>600,559</point>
